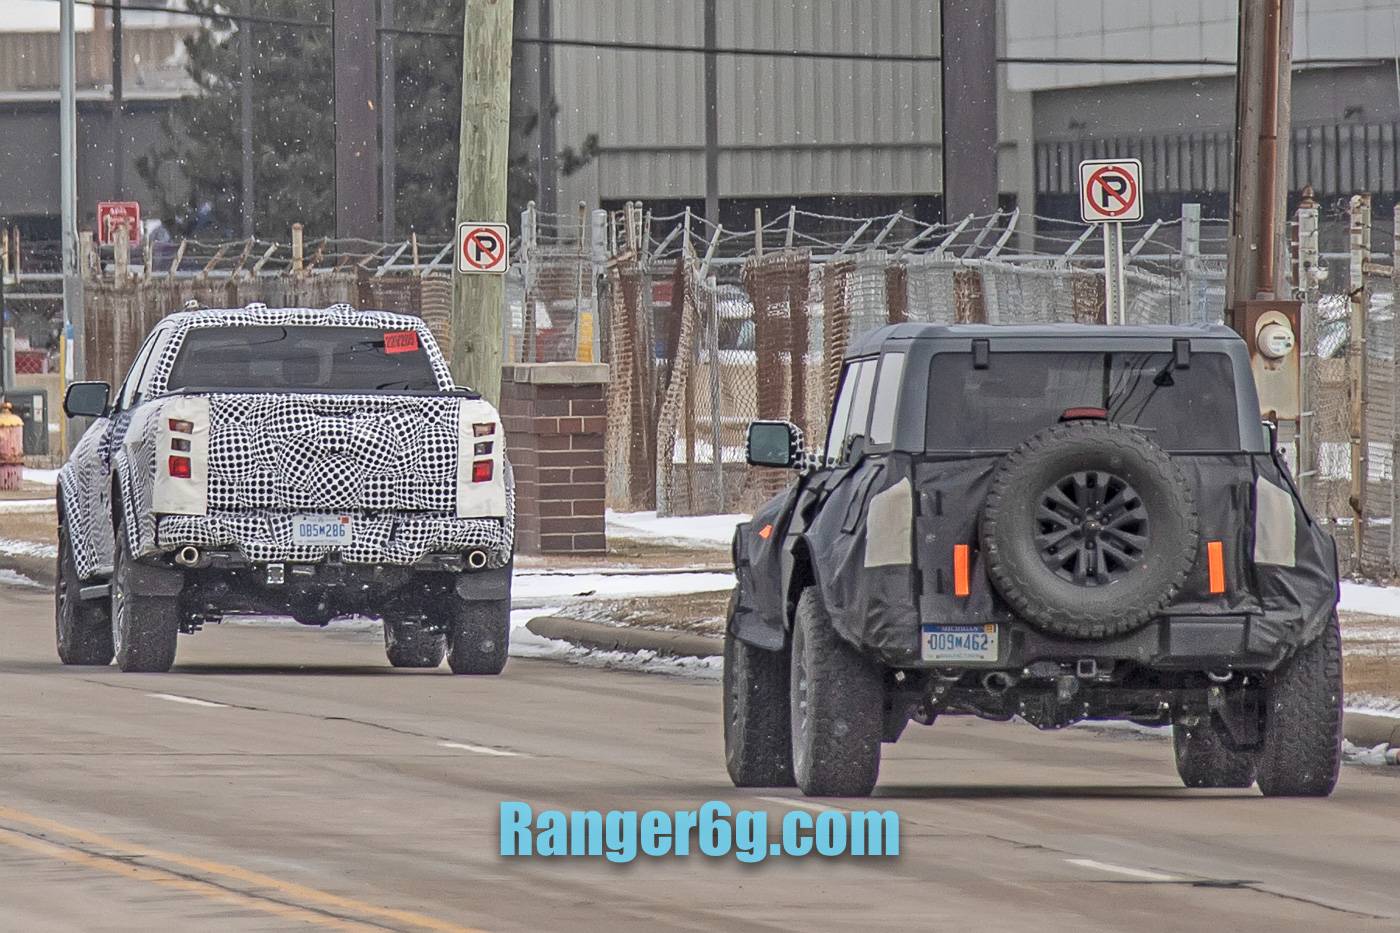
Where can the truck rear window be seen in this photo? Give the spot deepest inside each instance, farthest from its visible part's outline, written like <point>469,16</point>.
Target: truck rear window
<point>302,357</point>
<point>1018,394</point>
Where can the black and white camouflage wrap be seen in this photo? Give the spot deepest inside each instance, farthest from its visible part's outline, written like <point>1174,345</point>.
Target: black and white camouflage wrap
<point>389,461</point>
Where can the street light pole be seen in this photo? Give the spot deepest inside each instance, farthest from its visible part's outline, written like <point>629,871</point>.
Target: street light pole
<point>73,315</point>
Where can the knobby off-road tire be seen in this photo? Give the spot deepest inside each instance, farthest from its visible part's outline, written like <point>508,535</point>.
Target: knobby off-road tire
<point>838,706</point>
<point>1101,494</point>
<point>1205,759</point>
<point>757,715</point>
<point>407,643</point>
<point>1302,748</point>
<point>144,628</point>
<point>84,627</point>
<point>479,639</point>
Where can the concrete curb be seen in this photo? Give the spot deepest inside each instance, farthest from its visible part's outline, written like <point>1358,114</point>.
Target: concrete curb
<point>622,638</point>
<point>1369,730</point>
<point>39,569</point>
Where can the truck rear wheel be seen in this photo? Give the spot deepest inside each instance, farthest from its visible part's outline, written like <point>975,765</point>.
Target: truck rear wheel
<point>84,627</point>
<point>408,643</point>
<point>479,639</point>
<point>838,704</point>
<point>757,715</point>
<point>144,628</point>
<point>1205,759</point>
<point>1302,749</point>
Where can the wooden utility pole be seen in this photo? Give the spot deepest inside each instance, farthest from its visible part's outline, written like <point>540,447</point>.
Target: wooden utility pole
<point>1262,121</point>
<point>481,188</point>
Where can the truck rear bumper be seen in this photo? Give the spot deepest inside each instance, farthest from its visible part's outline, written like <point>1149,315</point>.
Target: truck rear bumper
<point>1185,642</point>
<point>393,539</point>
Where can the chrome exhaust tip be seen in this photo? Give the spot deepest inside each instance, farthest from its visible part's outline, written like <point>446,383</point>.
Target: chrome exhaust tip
<point>997,682</point>
<point>476,559</point>
<point>187,556</point>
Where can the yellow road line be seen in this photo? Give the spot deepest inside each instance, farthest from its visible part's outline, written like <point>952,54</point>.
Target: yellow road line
<point>306,901</point>
<point>166,879</point>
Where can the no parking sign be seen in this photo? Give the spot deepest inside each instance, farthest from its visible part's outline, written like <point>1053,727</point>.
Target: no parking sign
<point>483,248</point>
<point>1110,191</point>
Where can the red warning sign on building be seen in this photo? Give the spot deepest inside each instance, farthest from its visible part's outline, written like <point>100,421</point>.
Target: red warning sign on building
<point>114,214</point>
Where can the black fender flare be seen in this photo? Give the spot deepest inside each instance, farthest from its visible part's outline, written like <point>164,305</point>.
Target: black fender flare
<point>799,572</point>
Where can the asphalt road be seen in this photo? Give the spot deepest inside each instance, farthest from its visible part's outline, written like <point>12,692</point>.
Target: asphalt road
<point>282,779</point>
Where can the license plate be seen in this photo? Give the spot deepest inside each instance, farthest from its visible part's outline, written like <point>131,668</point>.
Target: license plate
<point>959,642</point>
<point>321,529</point>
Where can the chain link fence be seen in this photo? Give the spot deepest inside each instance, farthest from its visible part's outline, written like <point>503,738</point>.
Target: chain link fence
<point>754,323</point>
<point>706,329</point>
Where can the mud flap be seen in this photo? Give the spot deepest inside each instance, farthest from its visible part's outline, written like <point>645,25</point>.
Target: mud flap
<point>485,585</point>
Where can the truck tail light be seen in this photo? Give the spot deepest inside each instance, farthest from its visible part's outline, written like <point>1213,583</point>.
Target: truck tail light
<point>482,471</point>
<point>962,582</point>
<point>180,467</point>
<point>484,429</point>
<point>1215,563</point>
<point>181,427</point>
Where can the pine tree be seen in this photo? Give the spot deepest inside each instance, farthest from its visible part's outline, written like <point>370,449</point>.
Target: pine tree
<point>199,160</point>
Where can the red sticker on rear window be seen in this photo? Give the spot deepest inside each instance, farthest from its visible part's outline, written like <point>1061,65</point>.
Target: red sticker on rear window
<point>400,341</point>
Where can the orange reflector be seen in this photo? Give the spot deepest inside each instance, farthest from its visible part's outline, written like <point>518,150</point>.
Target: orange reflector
<point>765,531</point>
<point>1215,560</point>
<point>961,583</point>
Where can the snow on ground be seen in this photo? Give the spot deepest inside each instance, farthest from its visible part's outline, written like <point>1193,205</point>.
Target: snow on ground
<point>701,530</point>
<point>14,548</point>
<point>26,505</point>
<point>525,644</point>
<point>1372,600</point>
<point>536,585</point>
<point>47,477</point>
<point>1373,705</point>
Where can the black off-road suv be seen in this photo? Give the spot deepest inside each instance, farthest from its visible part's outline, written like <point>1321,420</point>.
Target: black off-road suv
<point>1060,523</point>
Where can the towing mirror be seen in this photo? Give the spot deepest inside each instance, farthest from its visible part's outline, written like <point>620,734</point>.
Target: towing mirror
<point>774,444</point>
<point>87,399</point>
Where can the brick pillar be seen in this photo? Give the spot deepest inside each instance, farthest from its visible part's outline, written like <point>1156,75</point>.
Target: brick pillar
<point>554,416</point>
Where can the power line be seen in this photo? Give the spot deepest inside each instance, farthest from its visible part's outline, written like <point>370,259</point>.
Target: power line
<point>739,51</point>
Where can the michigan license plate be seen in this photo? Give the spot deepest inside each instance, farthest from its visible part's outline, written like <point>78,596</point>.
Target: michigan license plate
<point>959,642</point>
<point>321,529</point>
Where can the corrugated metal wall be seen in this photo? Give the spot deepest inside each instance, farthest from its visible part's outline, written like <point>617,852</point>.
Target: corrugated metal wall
<point>29,60</point>
<point>787,126</point>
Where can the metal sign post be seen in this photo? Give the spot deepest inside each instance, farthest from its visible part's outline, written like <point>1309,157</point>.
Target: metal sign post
<point>1114,283</point>
<point>1110,193</point>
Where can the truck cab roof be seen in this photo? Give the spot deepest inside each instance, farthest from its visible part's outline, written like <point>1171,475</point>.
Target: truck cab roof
<point>1161,334</point>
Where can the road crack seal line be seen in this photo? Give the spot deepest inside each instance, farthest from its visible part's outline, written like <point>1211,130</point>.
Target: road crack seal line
<point>199,701</point>
<point>207,878</point>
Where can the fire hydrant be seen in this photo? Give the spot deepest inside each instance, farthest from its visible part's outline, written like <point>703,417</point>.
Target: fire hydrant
<point>11,448</point>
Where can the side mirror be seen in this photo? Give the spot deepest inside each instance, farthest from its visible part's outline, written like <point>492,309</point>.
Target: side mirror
<point>87,399</point>
<point>1271,429</point>
<point>774,444</point>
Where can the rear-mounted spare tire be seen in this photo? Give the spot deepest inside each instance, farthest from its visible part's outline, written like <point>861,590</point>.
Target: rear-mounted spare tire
<point>1089,529</point>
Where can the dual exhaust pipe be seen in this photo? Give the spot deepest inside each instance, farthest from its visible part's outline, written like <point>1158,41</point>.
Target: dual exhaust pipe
<point>190,556</point>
